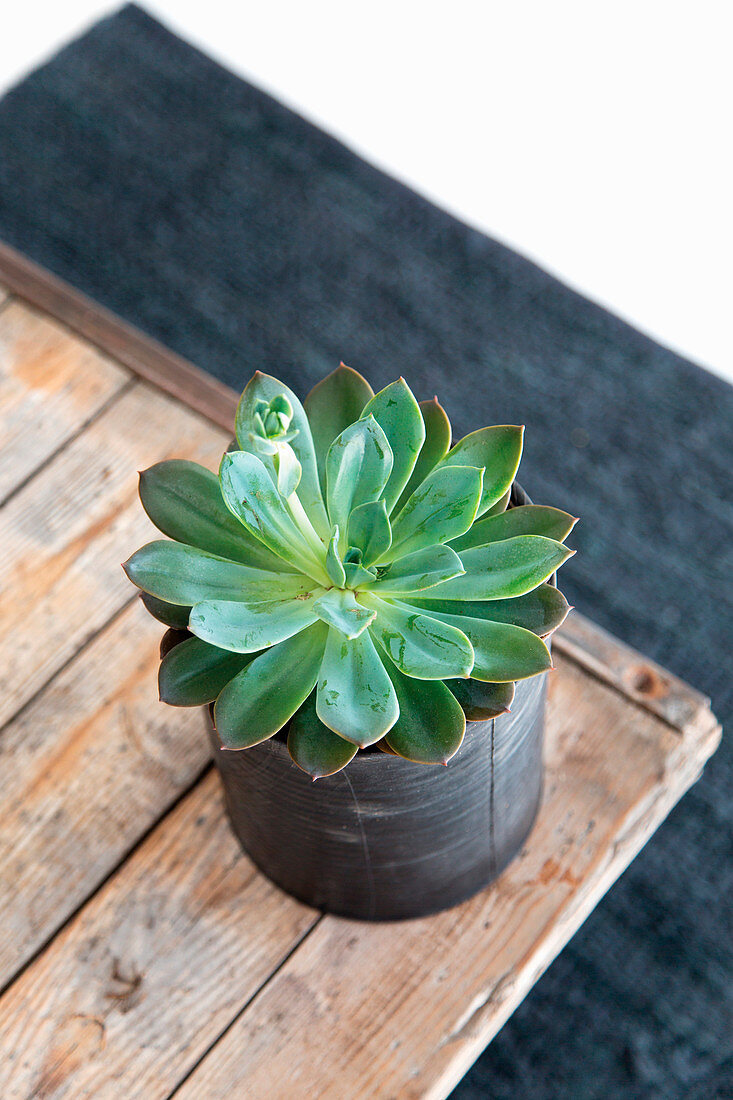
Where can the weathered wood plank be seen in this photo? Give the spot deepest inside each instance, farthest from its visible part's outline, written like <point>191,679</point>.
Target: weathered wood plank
<point>85,770</point>
<point>51,383</point>
<point>145,356</point>
<point>647,683</point>
<point>66,532</point>
<point>357,1010</point>
<point>146,977</point>
<point>134,990</point>
<point>402,1010</point>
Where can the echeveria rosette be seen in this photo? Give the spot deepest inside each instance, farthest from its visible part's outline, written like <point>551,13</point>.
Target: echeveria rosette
<point>350,575</point>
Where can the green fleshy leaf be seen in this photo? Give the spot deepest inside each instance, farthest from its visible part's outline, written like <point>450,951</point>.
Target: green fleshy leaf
<point>498,450</point>
<point>505,569</point>
<point>175,615</point>
<point>370,530</point>
<point>542,610</point>
<point>172,637</point>
<point>431,724</point>
<point>251,496</point>
<point>357,469</point>
<point>435,447</point>
<point>184,575</point>
<point>314,747</point>
<point>357,576</point>
<point>281,413</point>
<point>331,406</point>
<point>288,470</point>
<point>482,700</point>
<point>502,652</point>
<point>193,673</point>
<point>265,388</point>
<point>338,608</point>
<point>420,645</point>
<point>355,695</point>
<point>266,694</point>
<point>501,505</point>
<point>528,519</point>
<point>418,571</point>
<point>184,501</point>
<point>249,627</point>
<point>334,565</point>
<point>439,510</point>
<point>398,414</point>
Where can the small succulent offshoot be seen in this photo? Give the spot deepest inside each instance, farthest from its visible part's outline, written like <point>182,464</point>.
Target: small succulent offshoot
<point>349,575</point>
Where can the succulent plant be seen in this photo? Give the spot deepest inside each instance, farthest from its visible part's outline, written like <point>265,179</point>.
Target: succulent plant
<point>349,575</point>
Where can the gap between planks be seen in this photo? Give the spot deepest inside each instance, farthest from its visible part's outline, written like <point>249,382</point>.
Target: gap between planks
<point>638,678</point>
<point>131,404</point>
<point>51,385</point>
<point>89,767</point>
<point>650,685</point>
<point>63,536</point>
<point>66,532</point>
<point>175,926</point>
<point>440,993</point>
<point>589,657</point>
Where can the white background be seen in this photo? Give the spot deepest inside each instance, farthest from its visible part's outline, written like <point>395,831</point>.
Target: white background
<point>593,137</point>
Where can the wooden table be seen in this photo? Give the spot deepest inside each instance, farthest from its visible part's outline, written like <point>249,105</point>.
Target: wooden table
<point>141,953</point>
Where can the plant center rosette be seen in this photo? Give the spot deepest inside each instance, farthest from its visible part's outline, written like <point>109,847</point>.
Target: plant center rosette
<point>350,575</point>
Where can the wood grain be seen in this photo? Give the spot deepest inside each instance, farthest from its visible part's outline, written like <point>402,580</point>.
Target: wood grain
<point>151,985</point>
<point>402,1010</point>
<point>357,1010</point>
<point>128,345</point>
<point>130,995</point>
<point>85,770</point>
<point>66,532</point>
<point>647,683</point>
<point>50,385</point>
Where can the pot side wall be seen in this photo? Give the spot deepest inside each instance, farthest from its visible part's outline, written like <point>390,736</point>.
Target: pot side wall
<point>385,838</point>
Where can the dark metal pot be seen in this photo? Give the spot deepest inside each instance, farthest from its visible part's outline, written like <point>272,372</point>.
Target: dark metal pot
<point>385,838</point>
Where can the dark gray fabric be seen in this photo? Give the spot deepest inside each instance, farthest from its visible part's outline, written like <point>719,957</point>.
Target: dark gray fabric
<point>199,209</point>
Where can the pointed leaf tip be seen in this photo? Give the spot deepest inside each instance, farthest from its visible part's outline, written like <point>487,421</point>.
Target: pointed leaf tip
<point>498,450</point>
<point>398,414</point>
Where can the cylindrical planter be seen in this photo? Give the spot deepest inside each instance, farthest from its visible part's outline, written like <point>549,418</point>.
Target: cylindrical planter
<point>386,839</point>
